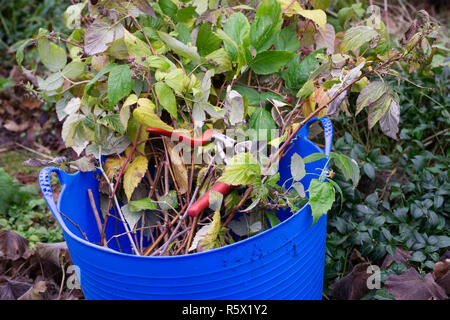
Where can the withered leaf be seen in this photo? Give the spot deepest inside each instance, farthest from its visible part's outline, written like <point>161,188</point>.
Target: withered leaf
<point>12,245</point>
<point>411,286</point>
<point>354,285</point>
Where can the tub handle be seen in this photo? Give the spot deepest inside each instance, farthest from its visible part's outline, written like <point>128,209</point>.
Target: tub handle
<point>327,128</point>
<point>46,188</point>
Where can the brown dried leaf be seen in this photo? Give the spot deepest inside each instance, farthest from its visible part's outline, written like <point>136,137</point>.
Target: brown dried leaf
<point>34,293</point>
<point>12,245</point>
<point>12,289</point>
<point>52,252</point>
<point>11,125</point>
<point>411,286</point>
<point>179,169</point>
<point>441,273</point>
<point>401,256</point>
<point>354,285</point>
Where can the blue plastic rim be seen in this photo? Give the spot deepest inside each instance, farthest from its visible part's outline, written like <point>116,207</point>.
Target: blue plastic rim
<point>285,262</point>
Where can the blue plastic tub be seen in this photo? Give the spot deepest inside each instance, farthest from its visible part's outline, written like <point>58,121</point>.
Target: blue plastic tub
<point>284,262</point>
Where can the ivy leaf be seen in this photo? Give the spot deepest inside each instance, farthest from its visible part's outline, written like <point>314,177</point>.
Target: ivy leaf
<point>267,21</point>
<point>179,47</point>
<point>134,173</point>
<point>268,62</point>
<point>120,83</point>
<point>166,98</point>
<point>52,56</point>
<point>99,34</point>
<point>297,167</point>
<point>143,204</point>
<point>286,39</point>
<point>321,198</point>
<point>242,169</point>
<point>355,37</point>
<point>207,41</point>
<point>146,117</point>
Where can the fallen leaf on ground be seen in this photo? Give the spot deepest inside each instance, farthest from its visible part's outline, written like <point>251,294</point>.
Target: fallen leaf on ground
<point>12,245</point>
<point>354,285</point>
<point>411,286</point>
<point>441,273</point>
<point>401,256</point>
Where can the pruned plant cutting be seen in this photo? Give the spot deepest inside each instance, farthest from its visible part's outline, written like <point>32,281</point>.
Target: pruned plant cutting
<point>184,109</point>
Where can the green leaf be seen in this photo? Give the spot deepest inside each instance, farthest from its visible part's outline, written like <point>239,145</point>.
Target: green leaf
<point>131,216</point>
<point>298,73</point>
<point>73,70</point>
<point>371,93</point>
<point>306,90</point>
<point>297,167</point>
<point>166,98</point>
<point>94,80</point>
<point>261,119</point>
<point>179,47</point>
<point>120,83</point>
<point>314,157</point>
<point>267,20</point>
<point>205,238</point>
<point>168,8</point>
<point>168,201</point>
<point>320,4</point>
<point>369,170</point>
<point>355,37</point>
<point>287,40</point>
<point>114,121</point>
<point>242,169</point>
<point>72,15</point>
<point>207,41</point>
<point>20,51</point>
<point>237,28</point>
<point>348,166</point>
<point>269,62</point>
<point>52,82</point>
<point>52,56</point>
<point>143,204</point>
<point>138,49</point>
<point>185,14</point>
<point>321,198</point>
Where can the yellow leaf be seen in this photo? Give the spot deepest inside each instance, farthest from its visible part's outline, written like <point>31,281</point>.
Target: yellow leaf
<point>293,9</point>
<point>132,99</point>
<point>112,167</point>
<point>179,169</point>
<point>134,173</point>
<point>144,102</point>
<point>149,119</point>
<point>318,16</point>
